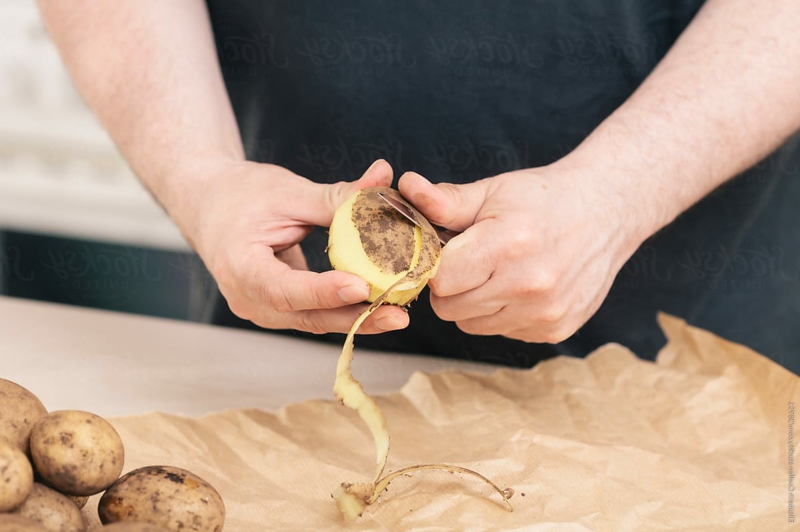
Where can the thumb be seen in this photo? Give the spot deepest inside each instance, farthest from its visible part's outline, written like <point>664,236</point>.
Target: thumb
<point>377,175</point>
<point>451,206</point>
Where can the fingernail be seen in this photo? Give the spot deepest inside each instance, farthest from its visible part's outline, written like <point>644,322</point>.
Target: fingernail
<point>353,293</point>
<point>372,165</point>
<point>388,323</point>
<point>420,177</point>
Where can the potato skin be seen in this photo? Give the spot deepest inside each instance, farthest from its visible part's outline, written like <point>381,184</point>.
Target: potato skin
<point>76,452</point>
<point>171,497</point>
<point>54,511</point>
<point>19,412</point>
<point>133,527</point>
<point>80,502</point>
<point>17,523</point>
<point>16,477</point>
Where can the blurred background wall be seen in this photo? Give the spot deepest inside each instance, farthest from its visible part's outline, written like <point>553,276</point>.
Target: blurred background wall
<point>76,226</point>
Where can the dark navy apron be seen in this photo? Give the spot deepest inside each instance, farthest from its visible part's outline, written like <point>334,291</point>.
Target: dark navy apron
<point>466,89</point>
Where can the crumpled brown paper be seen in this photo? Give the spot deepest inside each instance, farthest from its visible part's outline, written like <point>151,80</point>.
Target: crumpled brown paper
<point>695,441</point>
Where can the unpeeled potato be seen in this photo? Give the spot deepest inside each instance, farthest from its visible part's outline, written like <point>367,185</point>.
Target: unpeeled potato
<point>54,511</point>
<point>17,523</point>
<point>171,497</point>
<point>133,527</point>
<point>16,477</point>
<point>19,411</point>
<point>77,453</point>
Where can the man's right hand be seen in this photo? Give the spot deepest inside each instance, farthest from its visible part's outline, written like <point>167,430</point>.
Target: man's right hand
<point>150,72</point>
<point>247,222</point>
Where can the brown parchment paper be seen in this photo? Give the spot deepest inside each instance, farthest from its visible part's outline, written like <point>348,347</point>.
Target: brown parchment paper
<point>695,441</point>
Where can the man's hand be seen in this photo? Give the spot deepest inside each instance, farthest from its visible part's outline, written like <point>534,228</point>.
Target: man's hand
<point>541,247</point>
<point>247,225</point>
<point>168,112</point>
<point>538,253</point>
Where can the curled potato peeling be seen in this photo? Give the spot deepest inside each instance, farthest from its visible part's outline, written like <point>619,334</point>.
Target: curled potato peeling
<point>397,258</point>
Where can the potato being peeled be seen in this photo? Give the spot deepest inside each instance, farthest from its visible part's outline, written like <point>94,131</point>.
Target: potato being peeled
<point>54,511</point>
<point>16,477</point>
<point>17,523</point>
<point>76,452</point>
<point>371,239</point>
<point>19,411</point>
<point>173,498</point>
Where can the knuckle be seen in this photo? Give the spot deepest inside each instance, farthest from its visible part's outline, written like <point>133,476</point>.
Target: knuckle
<point>443,310</point>
<point>336,194</point>
<point>239,309</point>
<point>470,327</point>
<point>319,300</point>
<point>557,334</point>
<point>276,298</point>
<point>538,283</point>
<point>521,241</point>
<point>553,314</point>
<point>437,285</point>
<point>309,322</point>
<point>448,216</point>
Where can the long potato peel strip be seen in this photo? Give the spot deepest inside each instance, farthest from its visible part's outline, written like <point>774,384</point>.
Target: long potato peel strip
<point>351,394</point>
<point>353,498</point>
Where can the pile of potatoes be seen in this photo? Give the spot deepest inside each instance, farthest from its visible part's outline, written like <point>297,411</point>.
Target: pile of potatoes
<point>51,463</point>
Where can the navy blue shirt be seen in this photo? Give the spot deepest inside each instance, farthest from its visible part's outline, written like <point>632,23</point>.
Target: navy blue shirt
<point>467,89</point>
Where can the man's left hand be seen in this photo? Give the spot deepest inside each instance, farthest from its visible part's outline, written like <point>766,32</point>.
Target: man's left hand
<point>538,253</point>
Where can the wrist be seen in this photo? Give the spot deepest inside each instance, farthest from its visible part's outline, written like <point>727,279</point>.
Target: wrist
<point>618,200</point>
<point>186,191</point>
<point>643,178</point>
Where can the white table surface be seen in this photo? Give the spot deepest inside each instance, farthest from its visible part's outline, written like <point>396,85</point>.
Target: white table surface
<point>119,364</point>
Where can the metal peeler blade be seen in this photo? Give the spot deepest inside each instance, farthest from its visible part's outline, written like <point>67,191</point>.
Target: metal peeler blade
<point>403,208</point>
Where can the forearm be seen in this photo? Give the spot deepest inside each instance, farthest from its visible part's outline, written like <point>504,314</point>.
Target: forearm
<point>149,71</point>
<point>725,96</point>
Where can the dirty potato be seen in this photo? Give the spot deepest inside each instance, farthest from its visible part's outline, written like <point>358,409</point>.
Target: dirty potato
<point>19,411</point>
<point>371,239</point>
<point>54,511</point>
<point>16,477</point>
<point>17,523</point>
<point>166,496</point>
<point>76,452</point>
<point>133,527</point>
